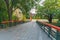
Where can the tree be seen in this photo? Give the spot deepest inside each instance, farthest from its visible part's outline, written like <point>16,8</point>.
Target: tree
<point>49,9</point>
<point>24,5</point>
<point>9,8</point>
<point>3,11</point>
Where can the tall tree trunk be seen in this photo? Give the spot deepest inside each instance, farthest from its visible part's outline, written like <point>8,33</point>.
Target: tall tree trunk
<point>50,18</point>
<point>10,14</point>
<point>9,9</point>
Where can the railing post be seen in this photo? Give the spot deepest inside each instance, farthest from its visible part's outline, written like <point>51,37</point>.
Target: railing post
<point>10,24</point>
<point>3,25</point>
<point>58,35</point>
<point>49,31</point>
<point>14,23</point>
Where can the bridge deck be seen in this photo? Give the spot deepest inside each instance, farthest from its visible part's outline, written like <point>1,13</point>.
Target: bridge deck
<point>27,31</point>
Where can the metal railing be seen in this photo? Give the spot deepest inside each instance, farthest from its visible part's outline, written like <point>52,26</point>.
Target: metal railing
<point>11,23</point>
<point>52,31</point>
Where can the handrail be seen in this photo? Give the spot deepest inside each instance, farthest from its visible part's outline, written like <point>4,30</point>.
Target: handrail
<point>52,31</point>
<point>50,25</point>
<point>11,23</point>
<point>4,22</point>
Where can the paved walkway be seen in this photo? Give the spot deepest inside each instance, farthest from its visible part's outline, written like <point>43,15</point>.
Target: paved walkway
<point>27,31</point>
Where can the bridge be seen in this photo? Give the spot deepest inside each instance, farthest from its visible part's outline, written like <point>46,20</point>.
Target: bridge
<point>18,19</point>
<point>34,30</point>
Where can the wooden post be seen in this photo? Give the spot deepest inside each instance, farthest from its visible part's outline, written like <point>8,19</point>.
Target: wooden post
<point>30,17</point>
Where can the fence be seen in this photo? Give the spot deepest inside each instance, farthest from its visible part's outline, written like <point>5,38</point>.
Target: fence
<point>11,23</point>
<point>52,31</point>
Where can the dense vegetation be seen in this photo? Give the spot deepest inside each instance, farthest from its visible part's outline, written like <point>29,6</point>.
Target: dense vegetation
<point>49,10</point>
<point>6,8</point>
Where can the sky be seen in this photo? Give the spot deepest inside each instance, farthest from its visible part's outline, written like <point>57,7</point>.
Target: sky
<point>41,2</point>
<point>33,10</point>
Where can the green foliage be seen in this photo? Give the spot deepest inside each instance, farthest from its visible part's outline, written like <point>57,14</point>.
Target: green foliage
<point>6,7</point>
<point>14,18</point>
<point>24,5</point>
<point>3,11</point>
<point>50,7</point>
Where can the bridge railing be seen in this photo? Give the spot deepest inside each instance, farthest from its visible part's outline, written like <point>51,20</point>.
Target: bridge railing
<point>11,23</point>
<point>52,31</point>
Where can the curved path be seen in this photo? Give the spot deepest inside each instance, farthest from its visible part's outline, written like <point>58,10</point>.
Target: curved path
<point>26,31</point>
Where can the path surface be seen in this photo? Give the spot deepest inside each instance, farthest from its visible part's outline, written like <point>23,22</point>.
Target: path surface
<point>27,31</point>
